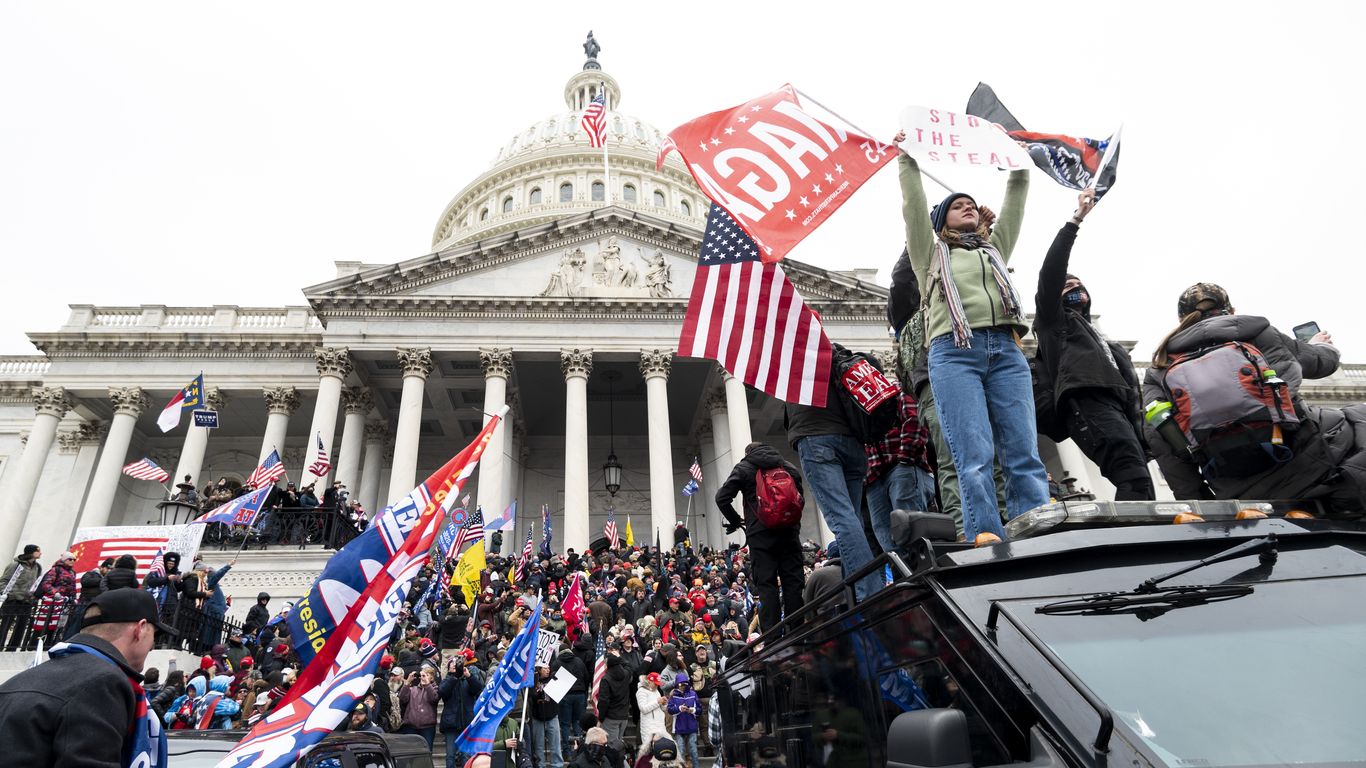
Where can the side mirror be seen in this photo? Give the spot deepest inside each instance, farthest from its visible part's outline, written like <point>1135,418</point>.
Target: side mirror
<point>929,738</point>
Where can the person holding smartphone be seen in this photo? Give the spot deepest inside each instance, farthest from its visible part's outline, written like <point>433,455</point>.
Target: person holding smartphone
<point>974,319</point>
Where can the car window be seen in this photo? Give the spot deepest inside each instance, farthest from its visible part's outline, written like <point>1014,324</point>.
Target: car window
<point>324,760</point>
<point>941,690</point>
<point>368,758</point>
<point>413,761</point>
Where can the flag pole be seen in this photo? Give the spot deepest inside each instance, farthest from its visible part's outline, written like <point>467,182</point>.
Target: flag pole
<point>526,694</point>
<point>850,123</point>
<point>606,174</point>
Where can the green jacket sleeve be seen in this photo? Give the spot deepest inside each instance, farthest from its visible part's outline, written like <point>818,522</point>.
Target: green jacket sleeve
<point>915,210</point>
<point>1007,228</point>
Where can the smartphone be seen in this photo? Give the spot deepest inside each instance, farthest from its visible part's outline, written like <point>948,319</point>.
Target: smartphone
<point>1306,331</point>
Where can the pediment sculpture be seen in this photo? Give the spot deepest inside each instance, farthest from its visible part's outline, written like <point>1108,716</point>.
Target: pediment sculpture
<point>613,275</point>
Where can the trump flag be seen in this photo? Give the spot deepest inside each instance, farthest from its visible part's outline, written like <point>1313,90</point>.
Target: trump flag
<point>343,664</point>
<point>776,169</point>
<point>514,673</point>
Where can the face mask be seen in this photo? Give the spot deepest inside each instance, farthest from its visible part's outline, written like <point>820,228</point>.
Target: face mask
<point>1074,298</point>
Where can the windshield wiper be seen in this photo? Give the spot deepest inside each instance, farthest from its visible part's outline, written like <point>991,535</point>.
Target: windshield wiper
<point>1148,601</point>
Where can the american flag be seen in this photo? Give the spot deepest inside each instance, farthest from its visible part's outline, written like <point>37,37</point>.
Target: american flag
<point>271,469</point>
<point>158,567</point>
<point>523,564</point>
<point>472,530</point>
<point>694,482</point>
<point>746,315</point>
<point>594,121</point>
<point>599,669</point>
<point>146,469</point>
<point>322,464</point>
<point>610,530</point>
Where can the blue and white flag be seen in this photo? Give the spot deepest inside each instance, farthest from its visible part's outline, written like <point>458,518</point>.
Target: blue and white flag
<point>547,532</point>
<point>447,538</point>
<point>240,511</point>
<point>499,696</point>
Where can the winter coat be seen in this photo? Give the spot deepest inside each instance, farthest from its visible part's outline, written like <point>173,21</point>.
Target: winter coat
<point>169,589</point>
<point>419,705</point>
<point>703,676</point>
<point>25,574</point>
<point>1071,350</point>
<point>1327,439</point>
<point>73,705</point>
<point>742,481</point>
<point>684,722</point>
<point>810,421</point>
<point>216,604</point>
<point>91,586</point>
<point>257,617</point>
<point>543,708</point>
<point>651,713</point>
<point>120,578</point>
<point>59,583</point>
<point>452,632</point>
<point>972,271</point>
<point>226,708</point>
<point>458,695</point>
<point>614,695</point>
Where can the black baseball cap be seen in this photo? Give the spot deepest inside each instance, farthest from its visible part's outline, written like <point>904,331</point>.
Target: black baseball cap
<point>124,605</point>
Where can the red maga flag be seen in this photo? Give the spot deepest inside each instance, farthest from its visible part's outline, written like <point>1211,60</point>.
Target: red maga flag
<point>774,167</point>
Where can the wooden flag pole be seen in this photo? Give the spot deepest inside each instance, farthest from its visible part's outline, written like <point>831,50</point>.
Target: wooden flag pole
<point>846,120</point>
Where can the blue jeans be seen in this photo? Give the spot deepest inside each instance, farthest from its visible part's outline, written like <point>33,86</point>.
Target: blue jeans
<point>428,733</point>
<point>571,711</point>
<point>687,745</point>
<point>545,743</point>
<point>901,487</point>
<point>835,466</point>
<point>454,757</point>
<point>985,398</point>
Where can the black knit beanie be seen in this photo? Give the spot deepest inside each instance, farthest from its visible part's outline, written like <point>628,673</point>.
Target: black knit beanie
<point>939,215</point>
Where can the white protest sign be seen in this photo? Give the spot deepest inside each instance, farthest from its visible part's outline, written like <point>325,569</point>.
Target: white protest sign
<point>952,139</point>
<point>560,684</point>
<point>546,644</point>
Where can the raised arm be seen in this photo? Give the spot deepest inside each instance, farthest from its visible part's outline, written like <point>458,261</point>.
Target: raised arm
<point>915,210</point>
<point>1053,273</point>
<point>1006,231</point>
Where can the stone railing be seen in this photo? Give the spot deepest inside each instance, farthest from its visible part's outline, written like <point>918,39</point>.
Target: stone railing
<point>85,317</point>
<point>24,365</point>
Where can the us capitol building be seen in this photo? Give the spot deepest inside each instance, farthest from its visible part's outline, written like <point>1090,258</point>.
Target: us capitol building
<point>538,293</point>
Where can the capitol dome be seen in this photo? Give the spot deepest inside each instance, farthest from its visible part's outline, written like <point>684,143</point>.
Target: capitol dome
<point>549,170</point>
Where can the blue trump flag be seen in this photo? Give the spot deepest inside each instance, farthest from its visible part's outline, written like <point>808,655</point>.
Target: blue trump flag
<point>447,538</point>
<point>500,695</point>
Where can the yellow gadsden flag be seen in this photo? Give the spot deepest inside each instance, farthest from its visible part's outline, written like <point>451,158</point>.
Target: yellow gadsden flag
<point>467,571</point>
<point>630,537</point>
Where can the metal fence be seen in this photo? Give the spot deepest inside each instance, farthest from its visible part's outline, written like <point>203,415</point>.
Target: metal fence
<point>285,527</point>
<point>22,625</point>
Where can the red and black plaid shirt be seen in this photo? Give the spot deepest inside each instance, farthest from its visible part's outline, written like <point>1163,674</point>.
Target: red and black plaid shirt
<point>903,444</point>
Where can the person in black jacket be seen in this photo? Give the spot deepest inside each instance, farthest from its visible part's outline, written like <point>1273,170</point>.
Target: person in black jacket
<point>81,706</point>
<point>1095,391</point>
<point>122,575</point>
<point>459,690</point>
<point>775,554</point>
<point>574,702</point>
<point>92,584</point>
<point>614,699</point>
<point>258,616</point>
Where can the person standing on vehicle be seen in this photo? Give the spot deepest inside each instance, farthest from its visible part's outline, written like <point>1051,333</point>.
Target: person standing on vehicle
<point>86,705</point>
<point>18,585</point>
<point>775,553</point>
<point>1092,382</point>
<point>978,372</point>
<point>459,690</point>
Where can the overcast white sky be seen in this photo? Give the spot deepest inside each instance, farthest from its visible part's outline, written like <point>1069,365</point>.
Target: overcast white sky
<point>227,153</point>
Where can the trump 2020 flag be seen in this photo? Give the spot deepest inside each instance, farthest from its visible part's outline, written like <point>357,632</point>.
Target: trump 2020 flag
<point>240,511</point>
<point>777,169</point>
<point>343,664</point>
<point>499,696</point>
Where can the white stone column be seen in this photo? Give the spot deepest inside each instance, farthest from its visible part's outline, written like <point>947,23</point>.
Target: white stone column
<point>726,455</point>
<point>334,365</point>
<point>197,442</point>
<point>576,364</point>
<point>358,404</point>
<point>375,434</point>
<point>497,365</point>
<point>51,518</point>
<point>281,403</point>
<point>711,483</point>
<point>417,365</point>
<point>826,534</point>
<point>1075,465</point>
<point>129,403</point>
<point>737,412</point>
<point>654,366</point>
<point>50,405</point>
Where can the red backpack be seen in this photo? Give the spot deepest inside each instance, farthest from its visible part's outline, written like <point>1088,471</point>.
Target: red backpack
<point>779,502</point>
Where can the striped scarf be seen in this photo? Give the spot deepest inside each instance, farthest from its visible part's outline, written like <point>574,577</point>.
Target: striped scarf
<point>962,333</point>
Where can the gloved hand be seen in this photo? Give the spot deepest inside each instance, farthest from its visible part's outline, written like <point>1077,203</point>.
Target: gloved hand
<point>732,527</point>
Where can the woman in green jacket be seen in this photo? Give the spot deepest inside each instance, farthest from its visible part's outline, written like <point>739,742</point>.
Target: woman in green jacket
<point>974,320</point>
